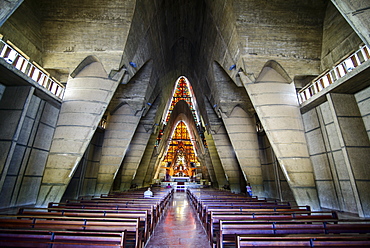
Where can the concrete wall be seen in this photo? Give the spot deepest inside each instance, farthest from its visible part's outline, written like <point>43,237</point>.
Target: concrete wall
<point>33,122</point>
<point>329,148</point>
<point>2,89</point>
<point>333,148</point>
<point>339,39</point>
<point>280,30</point>
<point>326,158</point>
<point>72,30</point>
<point>84,179</point>
<point>363,101</point>
<point>23,29</point>
<point>274,181</point>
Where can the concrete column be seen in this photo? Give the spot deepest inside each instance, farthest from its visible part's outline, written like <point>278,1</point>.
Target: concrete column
<point>121,126</point>
<point>228,159</point>
<point>13,109</point>
<point>143,169</point>
<point>151,169</point>
<point>216,163</point>
<point>151,129</point>
<point>357,13</point>
<point>242,132</point>
<point>7,8</point>
<point>133,156</point>
<point>210,169</point>
<point>86,98</point>
<point>355,146</point>
<point>274,99</point>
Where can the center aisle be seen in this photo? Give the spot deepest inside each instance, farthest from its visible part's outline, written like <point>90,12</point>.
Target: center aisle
<point>180,227</point>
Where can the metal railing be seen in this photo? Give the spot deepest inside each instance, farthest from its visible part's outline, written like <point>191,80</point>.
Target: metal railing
<point>21,62</point>
<point>329,77</point>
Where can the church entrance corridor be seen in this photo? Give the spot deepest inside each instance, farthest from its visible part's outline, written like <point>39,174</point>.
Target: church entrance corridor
<point>179,227</point>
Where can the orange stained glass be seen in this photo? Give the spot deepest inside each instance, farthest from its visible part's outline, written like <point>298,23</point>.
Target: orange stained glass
<point>182,92</point>
<point>180,154</point>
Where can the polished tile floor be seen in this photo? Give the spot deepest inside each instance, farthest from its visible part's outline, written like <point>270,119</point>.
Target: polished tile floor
<point>180,227</point>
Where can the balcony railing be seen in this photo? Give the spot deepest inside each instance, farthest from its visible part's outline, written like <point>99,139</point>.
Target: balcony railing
<point>21,62</point>
<point>329,77</point>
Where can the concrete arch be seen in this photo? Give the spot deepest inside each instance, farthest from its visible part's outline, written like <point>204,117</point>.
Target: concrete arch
<point>274,99</point>
<point>241,129</point>
<point>122,124</point>
<point>86,98</point>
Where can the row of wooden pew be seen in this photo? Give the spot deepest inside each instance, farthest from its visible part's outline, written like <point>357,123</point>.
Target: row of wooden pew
<point>236,220</point>
<point>124,220</point>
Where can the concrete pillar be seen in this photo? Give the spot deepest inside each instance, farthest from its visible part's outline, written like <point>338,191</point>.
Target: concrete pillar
<point>86,98</point>
<point>121,126</point>
<point>355,146</point>
<point>210,169</point>
<point>275,101</point>
<point>356,12</point>
<point>126,109</point>
<point>151,129</point>
<point>216,162</point>
<point>242,132</point>
<point>13,109</point>
<point>133,156</point>
<point>7,8</point>
<point>143,169</point>
<point>151,169</point>
<point>228,159</point>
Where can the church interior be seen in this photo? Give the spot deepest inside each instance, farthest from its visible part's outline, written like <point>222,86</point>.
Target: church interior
<point>107,98</point>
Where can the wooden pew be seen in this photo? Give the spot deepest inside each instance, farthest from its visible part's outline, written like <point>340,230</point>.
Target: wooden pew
<point>268,209</point>
<point>228,200</point>
<point>113,206</point>
<point>52,223</point>
<point>128,212</point>
<point>243,241</point>
<point>228,229</point>
<point>158,206</point>
<point>204,205</point>
<point>222,214</point>
<point>213,224</point>
<point>164,195</point>
<point>53,207</point>
<point>65,239</point>
<point>142,215</point>
<point>154,206</point>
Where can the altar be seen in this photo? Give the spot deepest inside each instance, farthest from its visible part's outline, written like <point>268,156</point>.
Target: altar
<point>180,179</point>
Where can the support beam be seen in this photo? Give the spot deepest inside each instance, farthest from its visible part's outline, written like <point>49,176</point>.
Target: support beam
<point>120,129</point>
<point>274,98</point>
<point>86,98</point>
<point>357,13</point>
<point>133,156</point>
<point>7,8</point>
<point>214,159</point>
<point>242,132</point>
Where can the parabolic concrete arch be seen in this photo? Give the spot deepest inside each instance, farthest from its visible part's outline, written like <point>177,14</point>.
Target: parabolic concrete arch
<point>274,99</point>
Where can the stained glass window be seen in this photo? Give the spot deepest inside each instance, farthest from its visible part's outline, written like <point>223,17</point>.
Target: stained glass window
<point>180,156</point>
<point>183,91</point>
